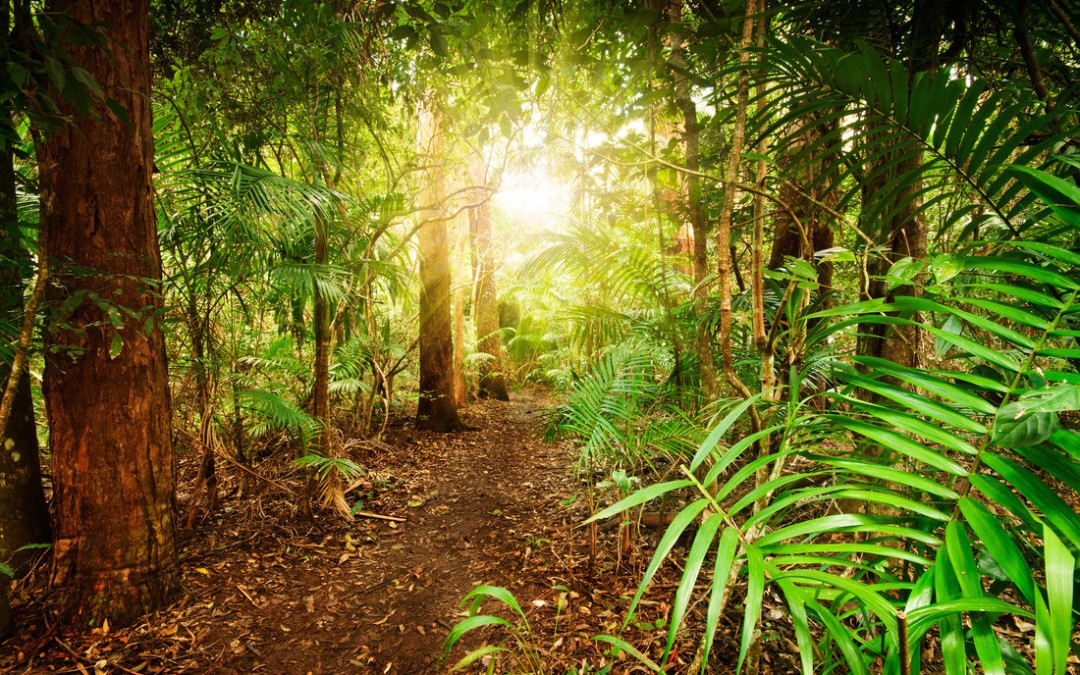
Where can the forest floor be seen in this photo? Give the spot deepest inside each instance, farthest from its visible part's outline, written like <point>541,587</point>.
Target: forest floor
<point>269,590</point>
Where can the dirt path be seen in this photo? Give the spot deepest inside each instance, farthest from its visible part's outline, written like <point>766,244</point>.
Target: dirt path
<point>268,592</point>
<point>474,500</point>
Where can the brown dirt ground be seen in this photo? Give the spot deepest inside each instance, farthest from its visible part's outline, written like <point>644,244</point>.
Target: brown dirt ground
<point>268,590</point>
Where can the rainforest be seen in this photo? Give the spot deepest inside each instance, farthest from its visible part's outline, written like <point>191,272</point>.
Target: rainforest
<point>540,336</point>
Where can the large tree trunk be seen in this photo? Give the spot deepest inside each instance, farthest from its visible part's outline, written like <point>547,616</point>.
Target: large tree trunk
<point>904,235</point>
<point>106,388</point>
<point>436,409</point>
<point>485,298</point>
<point>803,227</point>
<point>461,393</point>
<point>25,517</point>
<point>6,621</point>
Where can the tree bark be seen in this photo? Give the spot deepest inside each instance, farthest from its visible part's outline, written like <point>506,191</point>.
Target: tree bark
<point>804,229</point>
<point>694,213</point>
<point>904,235</point>
<point>22,498</point>
<point>485,297</point>
<point>435,409</point>
<point>723,230</point>
<point>106,383</point>
<point>321,325</point>
<point>6,622</point>
<point>460,391</point>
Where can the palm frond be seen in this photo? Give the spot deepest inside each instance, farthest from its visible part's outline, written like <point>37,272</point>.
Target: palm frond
<point>965,133</point>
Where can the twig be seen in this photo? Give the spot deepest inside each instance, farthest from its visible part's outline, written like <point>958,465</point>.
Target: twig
<point>379,516</point>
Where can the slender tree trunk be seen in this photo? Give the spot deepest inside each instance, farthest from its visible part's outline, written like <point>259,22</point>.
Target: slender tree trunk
<point>22,499</point>
<point>692,185</point>
<point>106,388</point>
<point>436,409</point>
<point>458,305</point>
<point>321,325</point>
<point>723,230</point>
<point>485,297</point>
<point>198,330</point>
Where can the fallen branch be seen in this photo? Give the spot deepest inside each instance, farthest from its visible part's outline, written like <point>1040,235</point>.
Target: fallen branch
<point>379,516</point>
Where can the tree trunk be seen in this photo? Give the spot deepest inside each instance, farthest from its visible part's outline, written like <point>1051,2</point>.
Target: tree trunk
<point>460,391</point>
<point>485,298</point>
<point>435,409</point>
<point>106,388</point>
<point>6,622</point>
<point>22,499</point>
<point>694,213</point>
<point>904,235</point>
<point>804,229</point>
<point>321,324</point>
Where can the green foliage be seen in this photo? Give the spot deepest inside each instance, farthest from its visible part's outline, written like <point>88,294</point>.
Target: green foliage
<point>617,411</point>
<point>278,413</point>
<point>966,476</point>
<point>519,644</point>
<point>965,133</point>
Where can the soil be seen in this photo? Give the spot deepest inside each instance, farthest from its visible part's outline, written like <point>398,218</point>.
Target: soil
<point>268,589</point>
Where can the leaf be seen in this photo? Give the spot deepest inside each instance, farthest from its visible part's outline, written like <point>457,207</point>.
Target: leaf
<point>116,345</point>
<point>903,272</point>
<point>950,629</point>
<point>438,43</point>
<point>678,525</point>
<point>476,655</point>
<point>698,550</point>
<point>999,545</point>
<point>898,443</point>
<point>1062,197</point>
<point>720,429</point>
<point>1060,582</point>
<point>629,649</point>
<point>639,497</point>
<point>969,579</point>
<point>1023,430</point>
<point>1053,507</point>
<point>723,571</point>
<point>499,593</point>
<point>801,624</point>
<point>755,592</point>
<point>952,325</point>
<point>470,623</point>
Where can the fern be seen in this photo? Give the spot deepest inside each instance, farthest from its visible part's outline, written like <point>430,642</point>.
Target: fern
<point>277,412</point>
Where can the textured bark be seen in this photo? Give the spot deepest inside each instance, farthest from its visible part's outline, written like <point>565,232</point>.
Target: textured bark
<point>115,554</point>
<point>485,302</point>
<point>723,229</point>
<point>904,235</point>
<point>435,409</point>
<point>804,229</point>
<point>22,499</point>
<point>694,213</point>
<point>5,611</point>
<point>321,325</point>
<point>460,392</point>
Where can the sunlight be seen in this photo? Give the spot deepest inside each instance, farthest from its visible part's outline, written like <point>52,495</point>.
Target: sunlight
<point>533,198</point>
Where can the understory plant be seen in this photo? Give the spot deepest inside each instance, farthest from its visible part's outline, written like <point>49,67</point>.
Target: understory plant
<point>903,501</point>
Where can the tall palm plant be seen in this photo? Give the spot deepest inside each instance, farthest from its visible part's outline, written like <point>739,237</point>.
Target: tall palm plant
<point>965,470</point>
